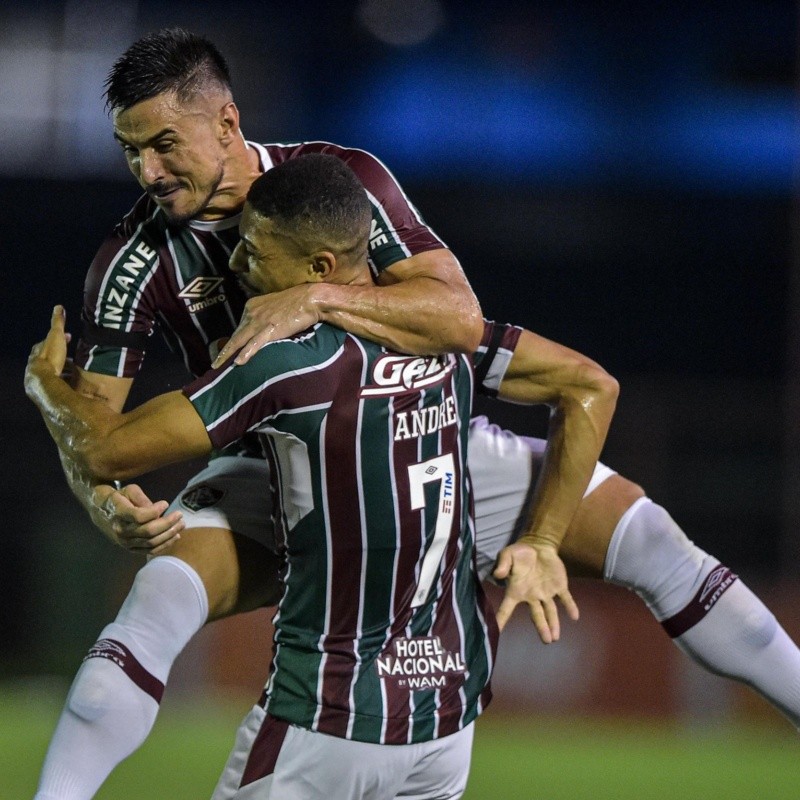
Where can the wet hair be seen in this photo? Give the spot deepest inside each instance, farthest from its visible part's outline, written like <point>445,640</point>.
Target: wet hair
<point>172,59</point>
<point>318,201</point>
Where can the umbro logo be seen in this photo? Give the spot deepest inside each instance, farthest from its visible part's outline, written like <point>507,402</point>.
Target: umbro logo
<point>199,288</point>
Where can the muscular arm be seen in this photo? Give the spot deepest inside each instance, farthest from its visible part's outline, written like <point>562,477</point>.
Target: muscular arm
<point>424,305</point>
<point>582,396</point>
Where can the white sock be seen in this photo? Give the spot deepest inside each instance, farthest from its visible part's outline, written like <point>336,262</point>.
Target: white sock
<point>710,614</point>
<point>114,699</point>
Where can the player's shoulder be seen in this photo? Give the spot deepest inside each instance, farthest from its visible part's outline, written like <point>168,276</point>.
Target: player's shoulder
<point>309,347</point>
<point>358,159</point>
<point>144,218</point>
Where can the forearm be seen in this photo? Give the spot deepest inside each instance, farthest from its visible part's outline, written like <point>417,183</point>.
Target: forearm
<point>73,421</point>
<point>91,494</point>
<point>575,439</point>
<point>424,306</point>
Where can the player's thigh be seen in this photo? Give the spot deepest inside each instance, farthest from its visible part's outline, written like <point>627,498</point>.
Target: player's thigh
<point>504,468</point>
<point>238,573</point>
<point>586,542</point>
<point>229,537</point>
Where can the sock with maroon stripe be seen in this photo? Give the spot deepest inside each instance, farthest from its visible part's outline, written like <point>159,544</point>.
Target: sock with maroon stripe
<point>114,699</point>
<point>710,614</point>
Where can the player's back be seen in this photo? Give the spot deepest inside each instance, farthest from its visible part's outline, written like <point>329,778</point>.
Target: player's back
<point>381,634</point>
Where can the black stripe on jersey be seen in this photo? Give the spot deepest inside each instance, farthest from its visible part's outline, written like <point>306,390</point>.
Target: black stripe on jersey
<point>95,335</point>
<point>491,351</point>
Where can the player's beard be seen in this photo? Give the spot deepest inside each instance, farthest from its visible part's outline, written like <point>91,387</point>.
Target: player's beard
<point>199,206</point>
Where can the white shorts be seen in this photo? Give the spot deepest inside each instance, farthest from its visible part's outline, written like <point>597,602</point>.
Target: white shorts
<point>233,493</point>
<point>504,469</point>
<point>273,760</point>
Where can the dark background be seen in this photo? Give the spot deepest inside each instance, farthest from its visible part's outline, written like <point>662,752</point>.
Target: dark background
<point>618,178</point>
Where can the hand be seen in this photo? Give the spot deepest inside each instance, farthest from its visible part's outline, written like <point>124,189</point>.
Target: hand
<point>266,319</point>
<point>535,575</point>
<point>136,523</point>
<point>51,354</point>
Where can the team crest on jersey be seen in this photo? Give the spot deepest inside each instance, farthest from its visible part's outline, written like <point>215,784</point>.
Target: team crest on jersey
<point>202,496</point>
<point>399,374</point>
<point>420,663</point>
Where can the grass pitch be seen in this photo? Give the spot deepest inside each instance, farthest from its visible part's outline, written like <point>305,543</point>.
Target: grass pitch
<point>539,759</point>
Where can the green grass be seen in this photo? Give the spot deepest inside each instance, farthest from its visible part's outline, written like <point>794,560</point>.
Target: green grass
<point>540,759</point>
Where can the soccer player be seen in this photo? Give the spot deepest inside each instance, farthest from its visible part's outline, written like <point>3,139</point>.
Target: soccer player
<point>167,262</point>
<point>383,635</point>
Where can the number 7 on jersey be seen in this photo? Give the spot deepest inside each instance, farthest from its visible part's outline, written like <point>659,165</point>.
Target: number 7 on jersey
<point>441,468</point>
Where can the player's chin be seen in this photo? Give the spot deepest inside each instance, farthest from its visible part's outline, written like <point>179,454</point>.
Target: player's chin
<point>248,289</point>
<point>177,210</point>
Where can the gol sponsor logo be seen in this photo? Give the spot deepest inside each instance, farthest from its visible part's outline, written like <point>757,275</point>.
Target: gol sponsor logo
<point>398,374</point>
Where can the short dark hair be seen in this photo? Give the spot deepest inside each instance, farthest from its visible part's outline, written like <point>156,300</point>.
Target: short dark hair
<point>315,197</point>
<point>172,59</point>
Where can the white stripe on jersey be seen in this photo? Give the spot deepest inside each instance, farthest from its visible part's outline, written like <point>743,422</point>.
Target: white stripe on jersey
<point>328,574</point>
<point>104,289</point>
<point>362,513</point>
<point>112,266</point>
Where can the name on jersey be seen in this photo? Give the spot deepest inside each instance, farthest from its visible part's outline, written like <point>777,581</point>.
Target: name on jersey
<point>125,278</point>
<point>377,236</point>
<point>420,421</point>
<point>419,663</point>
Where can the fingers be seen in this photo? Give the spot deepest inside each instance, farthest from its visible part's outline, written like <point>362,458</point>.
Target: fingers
<point>58,318</point>
<point>240,337</point>
<point>247,352</point>
<point>156,545</point>
<point>541,622</point>
<point>504,564</point>
<point>138,498</point>
<point>139,524</point>
<point>505,611</point>
<point>154,537</point>
<point>570,606</point>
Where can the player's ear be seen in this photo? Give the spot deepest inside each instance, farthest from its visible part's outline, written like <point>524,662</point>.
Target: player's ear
<point>322,265</point>
<point>228,122</point>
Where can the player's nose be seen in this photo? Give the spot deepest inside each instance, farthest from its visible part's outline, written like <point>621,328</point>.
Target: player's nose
<point>238,260</point>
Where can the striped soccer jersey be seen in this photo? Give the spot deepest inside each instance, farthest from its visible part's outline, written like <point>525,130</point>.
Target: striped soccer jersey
<point>383,633</point>
<point>149,272</point>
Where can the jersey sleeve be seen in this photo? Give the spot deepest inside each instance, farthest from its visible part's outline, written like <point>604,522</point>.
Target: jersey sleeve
<point>117,317</point>
<point>493,356</point>
<point>398,229</point>
<point>284,375</point>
